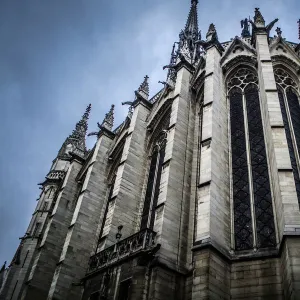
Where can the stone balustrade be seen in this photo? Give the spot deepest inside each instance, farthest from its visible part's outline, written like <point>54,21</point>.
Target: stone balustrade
<point>56,175</point>
<point>141,241</point>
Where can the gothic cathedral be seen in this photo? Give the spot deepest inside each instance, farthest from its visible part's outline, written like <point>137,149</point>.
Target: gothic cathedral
<point>194,196</point>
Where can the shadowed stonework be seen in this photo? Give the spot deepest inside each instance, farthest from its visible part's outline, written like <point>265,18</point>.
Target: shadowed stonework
<point>194,196</point>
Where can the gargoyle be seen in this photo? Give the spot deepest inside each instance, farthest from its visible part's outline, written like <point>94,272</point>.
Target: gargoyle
<point>270,26</point>
<point>127,103</point>
<point>93,133</point>
<point>171,66</point>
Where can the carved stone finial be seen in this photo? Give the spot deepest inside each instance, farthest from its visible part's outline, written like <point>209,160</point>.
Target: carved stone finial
<point>258,18</point>
<point>299,29</point>
<point>108,121</point>
<point>278,31</point>
<point>212,33</point>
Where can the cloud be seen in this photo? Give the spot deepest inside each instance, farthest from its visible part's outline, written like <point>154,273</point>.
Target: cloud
<point>57,56</point>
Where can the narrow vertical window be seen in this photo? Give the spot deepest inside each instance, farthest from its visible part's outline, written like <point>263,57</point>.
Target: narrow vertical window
<point>251,190</point>
<point>290,110</point>
<point>155,172</point>
<point>36,229</point>
<point>240,174</point>
<point>108,205</point>
<point>149,191</point>
<point>265,227</point>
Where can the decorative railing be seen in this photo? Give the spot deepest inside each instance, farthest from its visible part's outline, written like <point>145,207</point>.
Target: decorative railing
<point>141,241</point>
<point>78,152</point>
<point>56,175</point>
<point>156,97</point>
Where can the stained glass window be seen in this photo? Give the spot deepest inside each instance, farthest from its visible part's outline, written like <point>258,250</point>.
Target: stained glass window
<point>290,110</point>
<point>251,192</point>
<point>265,227</point>
<point>240,175</point>
<point>154,177</point>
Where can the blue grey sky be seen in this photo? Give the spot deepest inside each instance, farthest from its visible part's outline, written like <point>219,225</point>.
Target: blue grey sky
<point>58,56</point>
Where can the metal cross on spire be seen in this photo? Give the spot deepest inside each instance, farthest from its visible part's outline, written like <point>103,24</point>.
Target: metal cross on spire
<point>143,89</point>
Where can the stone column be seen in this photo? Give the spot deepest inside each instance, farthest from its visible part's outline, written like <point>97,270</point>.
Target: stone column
<point>172,216</point>
<point>81,237</point>
<point>127,192</point>
<point>284,191</point>
<point>47,254</point>
<point>213,207</point>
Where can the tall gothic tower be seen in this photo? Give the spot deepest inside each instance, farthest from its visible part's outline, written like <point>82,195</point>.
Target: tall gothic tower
<point>194,196</point>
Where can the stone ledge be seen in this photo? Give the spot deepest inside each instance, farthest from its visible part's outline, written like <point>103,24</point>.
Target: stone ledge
<point>260,254</point>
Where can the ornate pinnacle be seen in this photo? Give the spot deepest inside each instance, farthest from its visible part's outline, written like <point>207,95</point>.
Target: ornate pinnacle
<point>258,18</point>
<point>78,135</point>
<point>143,90</point>
<point>212,33</point>
<point>299,29</point>
<point>108,121</point>
<point>76,140</point>
<point>191,26</point>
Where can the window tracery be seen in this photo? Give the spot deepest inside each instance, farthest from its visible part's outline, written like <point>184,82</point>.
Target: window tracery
<point>251,192</point>
<point>159,141</point>
<point>290,111</point>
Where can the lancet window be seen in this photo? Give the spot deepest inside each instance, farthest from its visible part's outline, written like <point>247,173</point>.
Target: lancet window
<point>155,171</point>
<point>290,110</point>
<point>251,192</point>
<point>109,205</point>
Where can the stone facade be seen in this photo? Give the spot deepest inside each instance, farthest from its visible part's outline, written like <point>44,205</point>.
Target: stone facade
<point>194,196</point>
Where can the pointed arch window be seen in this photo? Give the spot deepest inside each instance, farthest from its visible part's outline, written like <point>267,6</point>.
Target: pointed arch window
<point>108,208</point>
<point>290,110</point>
<point>154,179</point>
<point>251,191</point>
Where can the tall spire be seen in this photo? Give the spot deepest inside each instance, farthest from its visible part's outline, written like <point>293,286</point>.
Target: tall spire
<point>188,37</point>
<point>78,135</point>
<point>76,141</point>
<point>191,26</point>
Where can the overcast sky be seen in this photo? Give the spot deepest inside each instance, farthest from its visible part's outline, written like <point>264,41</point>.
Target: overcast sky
<point>57,56</point>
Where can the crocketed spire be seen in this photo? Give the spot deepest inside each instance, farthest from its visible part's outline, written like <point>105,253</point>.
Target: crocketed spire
<point>191,27</point>
<point>76,141</point>
<point>108,121</point>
